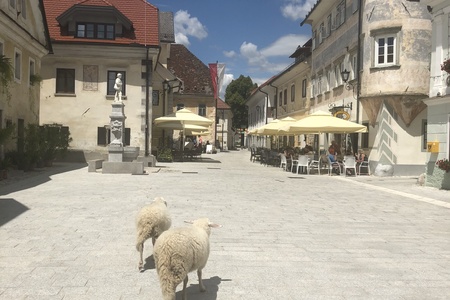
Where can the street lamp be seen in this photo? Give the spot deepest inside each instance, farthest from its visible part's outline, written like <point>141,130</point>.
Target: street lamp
<point>348,86</point>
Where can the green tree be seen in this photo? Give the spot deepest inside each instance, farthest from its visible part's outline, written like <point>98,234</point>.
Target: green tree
<point>236,94</point>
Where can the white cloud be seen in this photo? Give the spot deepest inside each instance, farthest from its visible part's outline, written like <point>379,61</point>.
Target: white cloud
<point>285,45</point>
<point>227,78</point>
<point>186,26</point>
<point>230,54</point>
<point>297,9</point>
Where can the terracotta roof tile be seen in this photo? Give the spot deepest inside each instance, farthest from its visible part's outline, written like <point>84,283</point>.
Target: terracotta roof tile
<point>222,105</point>
<point>194,73</point>
<point>142,14</point>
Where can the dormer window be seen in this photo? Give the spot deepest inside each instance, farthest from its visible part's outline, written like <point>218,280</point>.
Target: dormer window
<point>95,31</point>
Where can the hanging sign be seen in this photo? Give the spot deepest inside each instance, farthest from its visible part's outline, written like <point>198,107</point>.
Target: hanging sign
<point>342,114</point>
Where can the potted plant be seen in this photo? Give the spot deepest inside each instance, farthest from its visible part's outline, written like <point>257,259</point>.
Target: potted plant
<point>446,65</point>
<point>164,155</point>
<point>443,164</point>
<point>6,76</point>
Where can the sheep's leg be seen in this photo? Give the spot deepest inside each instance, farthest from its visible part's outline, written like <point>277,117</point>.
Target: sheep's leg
<point>141,258</point>
<point>185,281</point>
<point>154,240</point>
<point>199,274</point>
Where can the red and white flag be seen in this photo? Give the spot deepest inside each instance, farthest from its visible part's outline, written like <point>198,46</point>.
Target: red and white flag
<point>217,72</point>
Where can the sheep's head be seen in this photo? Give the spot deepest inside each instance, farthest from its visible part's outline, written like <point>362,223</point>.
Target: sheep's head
<point>160,200</point>
<point>205,224</point>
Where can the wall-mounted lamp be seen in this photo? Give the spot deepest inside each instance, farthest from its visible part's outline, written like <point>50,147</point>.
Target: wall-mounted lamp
<point>166,85</point>
<point>348,86</point>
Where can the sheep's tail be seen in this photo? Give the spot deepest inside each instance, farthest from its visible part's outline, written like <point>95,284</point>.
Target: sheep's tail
<point>171,273</point>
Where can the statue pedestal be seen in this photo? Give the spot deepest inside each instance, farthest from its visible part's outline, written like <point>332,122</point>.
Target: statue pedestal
<point>115,153</point>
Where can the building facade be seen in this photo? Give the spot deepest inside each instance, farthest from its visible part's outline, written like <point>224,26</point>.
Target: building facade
<point>438,117</point>
<point>23,42</point>
<point>384,51</point>
<point>94,41</point>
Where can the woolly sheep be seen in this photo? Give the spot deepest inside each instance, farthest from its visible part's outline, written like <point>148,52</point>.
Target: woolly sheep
<point>180,251</point>
<point>151,221</point>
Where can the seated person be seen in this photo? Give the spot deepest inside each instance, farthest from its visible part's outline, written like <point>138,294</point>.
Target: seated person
<point>360,157</point>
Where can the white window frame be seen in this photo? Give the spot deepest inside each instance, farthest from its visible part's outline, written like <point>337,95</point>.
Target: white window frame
<point>319,84</point>
<point>386,48</point>
<point>337,74</point>
<point>17,65</point>
<point>354,63</point>
<point>340,14</point>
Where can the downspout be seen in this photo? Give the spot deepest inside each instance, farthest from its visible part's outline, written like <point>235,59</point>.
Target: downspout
<point>147,99</point>
<point>358,68</point>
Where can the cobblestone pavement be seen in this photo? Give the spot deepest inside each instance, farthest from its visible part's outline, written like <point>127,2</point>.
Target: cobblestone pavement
<point>66,233</point>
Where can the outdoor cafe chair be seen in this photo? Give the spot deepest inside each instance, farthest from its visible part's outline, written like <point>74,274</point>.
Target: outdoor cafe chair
<point>349,163</point>
<point>364,164</point>
<point>283,161</point>
<point>301,162</point>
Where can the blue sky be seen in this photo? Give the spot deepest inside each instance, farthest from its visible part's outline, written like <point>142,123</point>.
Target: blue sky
<point>251,37</point>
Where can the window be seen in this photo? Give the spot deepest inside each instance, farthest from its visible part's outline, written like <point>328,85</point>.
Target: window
<point>180,106</point>
<point>285,97</point>
<point>319,84</point>
<point>1,48</point>
<point>155,98</point>
<point>304,88</point>
<point>65,81</point>
<point>313,88</point>
<point>322,33</point>
<point>12,3</point>
<point>355,6</point>
<point>293,93</point>
<point>354,66</point>
<point>202,110</point>
<point>112,75</point>
<point>281,98</point>
<point>32,70</point>
<point>95,31</point>
<point>17,64</point>
<point>22,8</point>
<point>329,25</point>
<point>275,100</point>
<point>337,74</point>
<point>340,14</point>
<point>385,47</point>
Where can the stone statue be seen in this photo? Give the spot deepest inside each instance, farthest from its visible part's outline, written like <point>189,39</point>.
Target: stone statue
<point>118,88</point>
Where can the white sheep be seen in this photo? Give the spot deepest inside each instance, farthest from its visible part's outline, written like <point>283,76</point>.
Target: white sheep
<point>151,221</point>
<point>179,251</point>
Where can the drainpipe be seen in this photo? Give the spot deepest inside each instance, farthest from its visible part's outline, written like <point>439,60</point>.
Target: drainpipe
<point>147,99</point>
<point>358,68</point>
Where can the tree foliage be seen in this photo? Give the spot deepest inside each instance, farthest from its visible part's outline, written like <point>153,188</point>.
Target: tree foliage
<point>236,94</point>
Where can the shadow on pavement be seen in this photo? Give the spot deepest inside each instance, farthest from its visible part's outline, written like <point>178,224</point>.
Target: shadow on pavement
<point>193,290</point>
<point>10,209</point>
<point>19,180</point>
<point>149,263</point>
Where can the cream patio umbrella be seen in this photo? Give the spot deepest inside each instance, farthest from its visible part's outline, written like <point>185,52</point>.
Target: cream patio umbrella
<point>182,118</point>
<point>322,122</point>
<point>273,128</point>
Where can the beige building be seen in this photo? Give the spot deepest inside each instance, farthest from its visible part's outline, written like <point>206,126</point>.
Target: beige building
<point>438,118</point>
<point>23,43</point>
<point>92,42</point>
<point>384,50</point>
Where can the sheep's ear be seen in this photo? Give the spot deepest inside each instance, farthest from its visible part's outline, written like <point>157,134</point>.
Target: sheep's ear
<point>214,225</point>
<point>189,222</point>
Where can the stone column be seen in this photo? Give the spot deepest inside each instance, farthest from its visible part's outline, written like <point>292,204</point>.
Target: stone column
<point>117,125</point>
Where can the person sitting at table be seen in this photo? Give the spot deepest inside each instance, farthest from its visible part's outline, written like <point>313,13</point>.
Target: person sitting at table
<point>360,158</point>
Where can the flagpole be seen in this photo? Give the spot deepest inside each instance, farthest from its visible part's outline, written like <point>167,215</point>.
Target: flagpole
<point>216,96</point>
